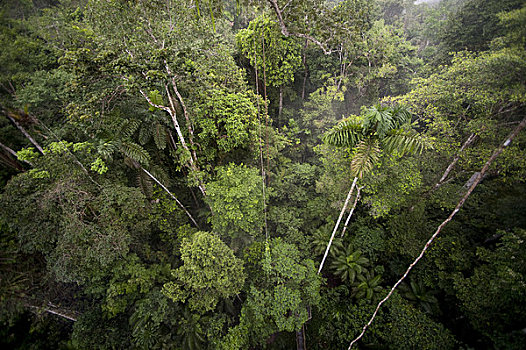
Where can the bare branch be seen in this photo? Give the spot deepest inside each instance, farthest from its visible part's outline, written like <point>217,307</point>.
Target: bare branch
<point>150,102</point>
<point>13,153</point>
<point>69,315</point>
<point>468,142</point>
<point>171,195</point>
<point>26,134</point>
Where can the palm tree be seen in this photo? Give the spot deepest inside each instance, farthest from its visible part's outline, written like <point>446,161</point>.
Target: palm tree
<point>367,286</point>
<point>348,264</point>
<point>378,128</point>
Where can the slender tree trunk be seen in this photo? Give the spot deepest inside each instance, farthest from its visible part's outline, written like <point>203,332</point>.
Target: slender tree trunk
<point>479,177</point>
<point>13,153</point>
<point>300,338</point>
<point>69,315</point>
<point>352,211</point>
<point>337,224</point>
<point>26,134</point>
<point>13,163</point>
<point>171,111</point>
<point>9,150</point>
<point>280,101</point>
<point>305,71</point>
<point>171,195</point>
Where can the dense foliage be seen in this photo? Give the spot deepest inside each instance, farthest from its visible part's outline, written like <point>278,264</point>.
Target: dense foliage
<point>173,174</point>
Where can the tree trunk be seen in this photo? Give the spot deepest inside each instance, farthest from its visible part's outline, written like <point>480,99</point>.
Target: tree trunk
<point>7,160</point>
<point>300,338</point>
<point>13,153</point>
<point>468,142</point>
<point>52,309</point>
<point>280,101</point>
<point>352,211</point>
<point>26,134</point>
<point>305,71</point>
<point>171,195</point>
<point>171,111</point>
<point>337,224</point>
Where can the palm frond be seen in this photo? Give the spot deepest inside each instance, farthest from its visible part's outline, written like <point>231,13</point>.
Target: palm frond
<point>107,149</point>
<point>406,141</point>
<point>135,152</point>
<point>401,115</point>
<point>347,132</point>
<point>366,156</point>
<point>379,120</point>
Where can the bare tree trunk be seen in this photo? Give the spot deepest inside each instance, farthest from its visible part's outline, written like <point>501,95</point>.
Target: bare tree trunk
<point>26,134</point>
<point>13,163</point>
<point>171,111</point>
<point>13,153</point>
<point>171,195</point>
<point>337,224</point>
<point>300,338</point>
<point>52,309</point>
<point>352,211</point>
<point>305,71</point>
<point>479,177</point>
<point>280,101</point>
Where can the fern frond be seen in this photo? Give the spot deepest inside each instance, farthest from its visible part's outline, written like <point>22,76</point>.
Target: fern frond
<point>129,127</point>
<point>366,156</point>
<point>346,133</point>
<point>159,136</point>
<point>135,152</point>
<point>145,134</point>
<point>160,175</point>
<point>145,184</point>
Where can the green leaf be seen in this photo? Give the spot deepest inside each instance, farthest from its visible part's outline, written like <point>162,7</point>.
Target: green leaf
<point>136,152</point>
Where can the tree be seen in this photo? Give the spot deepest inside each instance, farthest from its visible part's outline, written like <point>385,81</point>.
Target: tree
<point>475,25</point>
<point>268,51</point>
<point>386,126</point>
<point>210,272</point>
<point>278,297</point>
<point>349,264</point>
<point>237,203</point>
